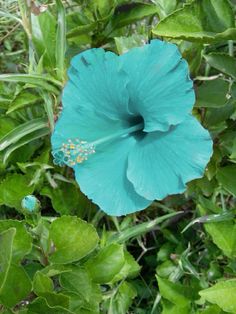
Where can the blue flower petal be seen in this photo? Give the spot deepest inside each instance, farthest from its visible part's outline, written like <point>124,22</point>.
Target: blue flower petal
<point>159,85</point>
<point>97,80</point>
<point>103,179</point>
<point>83,123</point>
<point>160,164</point>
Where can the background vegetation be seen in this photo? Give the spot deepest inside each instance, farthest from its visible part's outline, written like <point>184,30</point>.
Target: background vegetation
<point>176,257</point>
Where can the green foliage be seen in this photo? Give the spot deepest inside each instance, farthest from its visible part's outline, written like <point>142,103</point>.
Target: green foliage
<point>200,20</point>
<point>222,294</point>
<point>71,258</point>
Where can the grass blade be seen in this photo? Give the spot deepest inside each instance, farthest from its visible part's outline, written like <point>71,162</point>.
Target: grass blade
<point>22,130</point>
<point>45,82</point>
<point>60,41</point>
<point>25,140</point>
<point>210,218</point>
<point>132,232</point>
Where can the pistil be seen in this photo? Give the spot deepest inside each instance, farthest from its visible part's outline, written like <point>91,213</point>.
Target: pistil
<point>76,151</point>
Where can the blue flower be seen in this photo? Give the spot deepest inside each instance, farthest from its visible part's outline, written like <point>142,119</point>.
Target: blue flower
<point>126,127</point>
<point>30,203</point>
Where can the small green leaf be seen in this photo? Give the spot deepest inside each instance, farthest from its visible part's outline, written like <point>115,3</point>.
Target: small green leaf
<point>6,243</point>
<point>132,13</point>
<point>104,7</point>
<point>223,234</point>
<point>40,305</point>
<point>226,176</point>
<point>199,20</point>
<point>80,30</point>
<point>44,34</point>
<point>22,241</point>
<point>192,53</point>
<point>170,308</point>
<point>6,125</point>
<point>23,100</point>
<point>130,269</point>
<point>123,44</point>
<point>65,199</point>
<point>213,309</point>
<point>222,294</point>
<point>123,299</point>
<point>165,7</point>
<point>42,284</point>
<point>78,281</point>
<point>108,263</point>
<point>73,239</point>
<point>16,287</point>
<point>222,62</point>
<point>81,306</point>
<point>13,188</point>
<point>174,292</point>
<point>212,94</point>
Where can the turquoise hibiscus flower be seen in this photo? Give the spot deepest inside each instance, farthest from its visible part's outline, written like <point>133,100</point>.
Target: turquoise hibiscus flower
<point>126,127</point>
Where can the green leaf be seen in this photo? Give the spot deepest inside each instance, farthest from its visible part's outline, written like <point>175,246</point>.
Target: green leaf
<point>165,7</point>
<point>56,299</point>
<point>123,299</point>
<point>123,44</point>
<point>65,199</point>
<point>200,20</point>
<point>104,7</point>
<point>78,281</point>
<point>226,176</point>
<point>139,229</point>
<point>44,34</point>
<point>132,13</point>
<point>39,134</point>
<point>13,188</point>
<point>130,269</point>
<point>106,264</point>
<point>170,308</point>
<point>216,117</point>
<point>42,284</point>
<point>223,234</point>
<point>40,305</point>
<point>83,293</point>
<point>222,294</point>
<point>16,287</point>
<point>22,241</point>
<point>192,53</point>
<point>45,82</point>
<point>222,62</point>
<point>6,125</point>
<point>6,243</point>
<point>213,309</point>
<point>80,30</point>
<point>73,239</point>
<point>60,41</point>
<point>23,100</point>
<point>212,94</point>
<point>174,292</point>
<point>81,306</point>
<point>233,153</point>
<point>22,130</point>
<point>166,268</point>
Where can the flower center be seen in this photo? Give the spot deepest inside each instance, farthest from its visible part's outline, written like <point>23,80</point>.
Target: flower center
<point>75,151</point>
